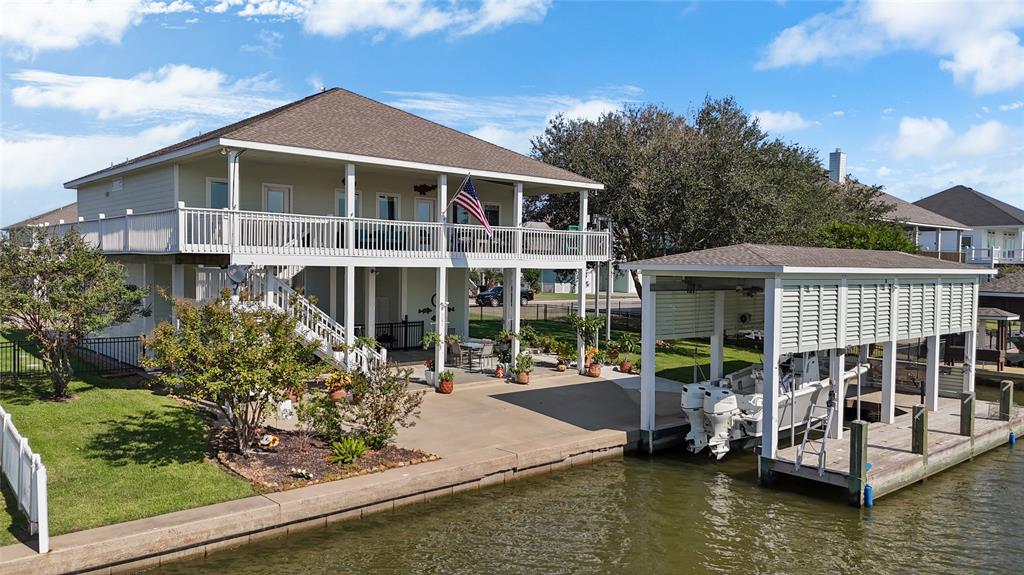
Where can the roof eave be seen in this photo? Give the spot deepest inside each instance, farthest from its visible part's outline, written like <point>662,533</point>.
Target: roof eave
<point>803,270</point>
<point>355,158</point>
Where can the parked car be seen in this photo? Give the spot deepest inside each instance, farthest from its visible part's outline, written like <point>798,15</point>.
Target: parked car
<point>493,296</point>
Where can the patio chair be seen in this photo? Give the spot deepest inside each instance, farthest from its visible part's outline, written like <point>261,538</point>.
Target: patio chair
<point>486,352</point>
<point>456,354</point>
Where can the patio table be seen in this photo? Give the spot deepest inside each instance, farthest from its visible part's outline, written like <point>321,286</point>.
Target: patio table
<point>472,346</point>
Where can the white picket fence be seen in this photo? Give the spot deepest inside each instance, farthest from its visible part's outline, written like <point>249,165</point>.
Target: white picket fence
<point>26,476</point>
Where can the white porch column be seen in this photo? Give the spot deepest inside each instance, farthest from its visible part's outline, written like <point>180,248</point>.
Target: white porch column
<point>917,236</point>
<point>371,302</point>
<point>517,215</point>
<point>836,367</point>
<point>403,304</point>
<point>718,336</point>
<point>514,277</point>
<point>938,242</point>
<point>442,213</point>
<point>584,213</point>
<point>960,244</point>
<point>177,288</point>
<point>770,403</point>
<point>350,305</point>
<point>1020,244</point>
<point>234,188</point>
<point>888,381</point>
<point>581,304</point>
<point>931,379</point>
<point>441,324</point>
<point>648,389</point>
<point>350,205</point>
<point>970,350</point>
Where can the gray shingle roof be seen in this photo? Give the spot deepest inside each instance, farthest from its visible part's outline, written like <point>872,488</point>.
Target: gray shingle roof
<point>68,213</point>
<point>337,120</point>
<point>972,207</point>
<point>996,314</point>
<point>1011,283</point>
<point>764,255</point>
<point>905,211</point>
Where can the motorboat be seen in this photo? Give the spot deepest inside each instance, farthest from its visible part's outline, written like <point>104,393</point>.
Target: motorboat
<point>726,412</point>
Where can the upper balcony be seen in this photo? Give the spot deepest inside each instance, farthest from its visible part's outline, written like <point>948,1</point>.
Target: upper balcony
<point>993,256</point>
<point>266,238</point>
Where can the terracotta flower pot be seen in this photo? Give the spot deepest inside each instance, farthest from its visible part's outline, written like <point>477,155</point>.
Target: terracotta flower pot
<point>446,386</point>
<point>560,367</point>
<point>626,366</point>
<point>613,353</point>
<point>337,395</point>
<point>594,369</point>
<point>499,372</point>
<point>523,377</point>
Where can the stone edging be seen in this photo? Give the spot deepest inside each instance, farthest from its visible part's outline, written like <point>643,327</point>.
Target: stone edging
<point>146,543</point>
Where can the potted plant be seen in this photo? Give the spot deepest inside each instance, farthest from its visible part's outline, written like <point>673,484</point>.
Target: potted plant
<point>504,359</point>
<point>453,338</point>
<point>523,367</point>
<point>586,327</point>
<point>588,355</point>
<point>613,350</point>
<point>630,345</point>
<point>367,341</point>
<point>446,382</point>
<point>594,369</point>
<point>565,352</point>
<point>428,373</point>
<point>431,339</point>
<point>337,384</point>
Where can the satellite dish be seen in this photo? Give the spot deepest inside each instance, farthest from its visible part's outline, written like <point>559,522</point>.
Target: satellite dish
<point>237,274</point>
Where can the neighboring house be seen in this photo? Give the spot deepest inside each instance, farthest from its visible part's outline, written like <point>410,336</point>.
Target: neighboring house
<point>553,282</point>
<point>1005,293</point>
<point>996,234</point>
<point>68,213</point>
<point>934,234</point>
<point>337,197</point>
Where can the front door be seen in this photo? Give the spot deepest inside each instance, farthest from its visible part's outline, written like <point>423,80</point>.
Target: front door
<point>277,199</point>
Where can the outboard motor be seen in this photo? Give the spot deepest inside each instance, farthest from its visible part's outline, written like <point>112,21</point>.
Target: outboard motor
<point>692,403</point>
<point>720,406</point>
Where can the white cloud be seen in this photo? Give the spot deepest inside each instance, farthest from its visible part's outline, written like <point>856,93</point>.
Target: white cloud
<point>282,9</point>
<point>781,121</point>
<point>30,27</point>
<point>416,17</point>
<point>316,81</point>
<point>223,6</point>
<point>838,114</point>
<point>29,190</point>
<point>1012,106</point>
<point>975,41</point>
<point>510,121</point>
<point>933,137</point>
<point>887,111</point>
<point>883,171</point>
<point>269,42</point>
<point>169,90</point>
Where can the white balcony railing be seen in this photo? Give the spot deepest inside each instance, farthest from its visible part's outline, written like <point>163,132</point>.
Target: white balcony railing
<point>993,256</point>
<point>207,231</point>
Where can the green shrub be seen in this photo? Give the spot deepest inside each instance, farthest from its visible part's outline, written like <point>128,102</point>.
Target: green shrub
<point>348,450</point>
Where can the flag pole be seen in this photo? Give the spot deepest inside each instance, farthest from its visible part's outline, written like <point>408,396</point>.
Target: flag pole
<point>452,201</point>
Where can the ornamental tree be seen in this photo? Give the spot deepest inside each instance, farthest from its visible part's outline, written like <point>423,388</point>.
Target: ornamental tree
<point>59,289</point>
<point>241,356</point>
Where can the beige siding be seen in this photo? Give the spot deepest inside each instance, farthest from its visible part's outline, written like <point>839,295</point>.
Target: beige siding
<point>314,187</point>
<point>142,191</point>
<point>686,315</point>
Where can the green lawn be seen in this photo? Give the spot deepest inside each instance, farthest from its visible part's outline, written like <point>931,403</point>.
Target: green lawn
<point>674,362</point>
<point>115,453</point>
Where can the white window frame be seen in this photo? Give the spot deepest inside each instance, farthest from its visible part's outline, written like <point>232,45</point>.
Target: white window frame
<point>359,205</point>
<point>398,204</point>
<point>209,194</point>
<point>470,221</point>
<point>291,199</point>
<point>495,204</point>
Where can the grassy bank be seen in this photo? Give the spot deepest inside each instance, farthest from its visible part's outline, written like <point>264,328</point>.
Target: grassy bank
<point>116,452</point>
<point>673,361</point>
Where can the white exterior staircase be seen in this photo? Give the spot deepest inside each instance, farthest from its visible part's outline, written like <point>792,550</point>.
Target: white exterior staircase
<point>314,324</point>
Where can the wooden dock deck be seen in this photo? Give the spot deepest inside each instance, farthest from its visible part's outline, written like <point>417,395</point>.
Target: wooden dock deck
<point>893,464</point>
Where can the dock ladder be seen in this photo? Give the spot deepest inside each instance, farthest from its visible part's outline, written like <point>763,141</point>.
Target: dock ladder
<point>817,445</point>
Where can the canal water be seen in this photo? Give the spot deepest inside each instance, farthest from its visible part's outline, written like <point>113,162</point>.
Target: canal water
<point>671,514</point>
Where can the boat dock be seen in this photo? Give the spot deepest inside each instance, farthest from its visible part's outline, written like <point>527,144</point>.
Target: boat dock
<point>876,459</point>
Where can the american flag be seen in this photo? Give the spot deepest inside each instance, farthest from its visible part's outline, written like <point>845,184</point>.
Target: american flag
<point>467,198</point>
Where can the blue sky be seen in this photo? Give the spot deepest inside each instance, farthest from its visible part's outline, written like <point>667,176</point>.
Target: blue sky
<point>919,95</point>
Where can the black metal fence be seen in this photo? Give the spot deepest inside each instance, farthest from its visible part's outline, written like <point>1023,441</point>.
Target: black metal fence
<point>624,317</point>
<point>93,356</point>
<point>396,334</point>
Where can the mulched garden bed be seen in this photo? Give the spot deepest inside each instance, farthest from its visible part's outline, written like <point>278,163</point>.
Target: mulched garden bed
<point>271,470</point>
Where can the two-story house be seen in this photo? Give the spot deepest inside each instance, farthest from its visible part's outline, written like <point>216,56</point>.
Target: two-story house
<point>996,229</point>
<point>337,203</point>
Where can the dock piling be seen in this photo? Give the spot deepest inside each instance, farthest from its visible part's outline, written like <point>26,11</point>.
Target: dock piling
<point>919,440</point>
<point>858,462</point>
<point>1006,400</point>
<point>967,414</point>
